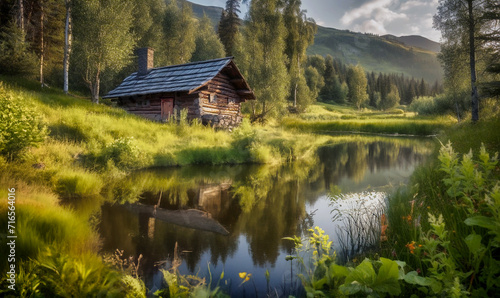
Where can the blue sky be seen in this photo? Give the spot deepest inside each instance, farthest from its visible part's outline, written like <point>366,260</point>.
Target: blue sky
<point>397,17</point>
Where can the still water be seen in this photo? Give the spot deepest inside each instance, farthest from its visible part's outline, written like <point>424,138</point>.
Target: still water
<point>233,218</point>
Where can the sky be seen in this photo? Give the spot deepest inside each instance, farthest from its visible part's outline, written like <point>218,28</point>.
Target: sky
<point>396,17</point>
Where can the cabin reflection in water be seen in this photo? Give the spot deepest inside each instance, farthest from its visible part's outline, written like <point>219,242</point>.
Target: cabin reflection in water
<point>234,217</point>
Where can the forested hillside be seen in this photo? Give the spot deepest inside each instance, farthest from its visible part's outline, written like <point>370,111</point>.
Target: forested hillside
<point>376,54</point>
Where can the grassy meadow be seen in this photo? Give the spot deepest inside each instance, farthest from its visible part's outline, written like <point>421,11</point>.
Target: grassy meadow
<point>82,151</point>
<point>324,118</point>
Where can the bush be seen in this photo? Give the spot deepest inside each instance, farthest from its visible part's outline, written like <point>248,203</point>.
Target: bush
<point>441,104</point>
<point>423,106</point>
<point>124,153</point>
<point>20,127</point>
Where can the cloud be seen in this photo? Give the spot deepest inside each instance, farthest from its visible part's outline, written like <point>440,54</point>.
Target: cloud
<point>371,26</point>
<point>414,3</point>
<point>377,10</point>
<point>373,16</point>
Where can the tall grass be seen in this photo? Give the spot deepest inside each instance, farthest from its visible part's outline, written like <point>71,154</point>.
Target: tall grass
<point>421,127</point>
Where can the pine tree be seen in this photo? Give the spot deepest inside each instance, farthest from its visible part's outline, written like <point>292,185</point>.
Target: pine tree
<point>15,54</point>
<point>229,25</point>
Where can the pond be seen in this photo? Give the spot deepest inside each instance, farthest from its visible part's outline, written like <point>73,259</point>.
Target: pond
<point>233,218</point>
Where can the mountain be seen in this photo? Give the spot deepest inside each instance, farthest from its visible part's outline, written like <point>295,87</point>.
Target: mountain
<point>213,12</point>
<point>416,41</point>
<point>414,56</point>
<point>377,53</point>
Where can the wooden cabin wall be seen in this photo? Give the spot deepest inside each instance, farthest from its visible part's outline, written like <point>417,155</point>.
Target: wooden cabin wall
<point>227,105</point>
<point>153,110</point>
<point>136,106</point>
<point>189,102</point>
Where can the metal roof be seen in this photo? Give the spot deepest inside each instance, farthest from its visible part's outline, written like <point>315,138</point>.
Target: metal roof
<point>184,77</point>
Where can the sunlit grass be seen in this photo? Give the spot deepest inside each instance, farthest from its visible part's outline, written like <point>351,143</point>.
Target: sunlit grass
<point>421,127</point>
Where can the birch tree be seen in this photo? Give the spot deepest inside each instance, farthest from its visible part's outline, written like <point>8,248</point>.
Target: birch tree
<point>103,39</point>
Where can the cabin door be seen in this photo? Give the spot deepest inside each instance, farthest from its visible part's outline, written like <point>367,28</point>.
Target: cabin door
<point>167,108</point>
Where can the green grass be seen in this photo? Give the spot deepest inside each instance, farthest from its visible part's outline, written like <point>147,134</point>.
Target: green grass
<point>323,117</point>
<point>420,127</point>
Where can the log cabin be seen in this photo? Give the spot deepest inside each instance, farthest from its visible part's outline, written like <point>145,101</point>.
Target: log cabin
<point>211,91</point>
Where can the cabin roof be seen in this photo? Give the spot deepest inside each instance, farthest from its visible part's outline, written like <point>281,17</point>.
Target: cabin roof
<point>180,78</point>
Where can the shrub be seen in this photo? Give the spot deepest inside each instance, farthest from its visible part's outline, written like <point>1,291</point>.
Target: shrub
<point>423,106</point>
<point>20,127</point>
<point>124,153</point>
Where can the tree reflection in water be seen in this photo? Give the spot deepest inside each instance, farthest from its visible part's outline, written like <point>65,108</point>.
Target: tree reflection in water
<point>257,204</point>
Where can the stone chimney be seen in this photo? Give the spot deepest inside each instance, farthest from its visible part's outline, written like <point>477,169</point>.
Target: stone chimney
<point>144,60</point>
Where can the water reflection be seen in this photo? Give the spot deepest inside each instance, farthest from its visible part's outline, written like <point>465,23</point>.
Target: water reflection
<point>257,205</point>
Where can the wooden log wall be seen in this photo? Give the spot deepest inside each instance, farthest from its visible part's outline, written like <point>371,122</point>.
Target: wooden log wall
<point>228,103</point>
<point>138,107</point>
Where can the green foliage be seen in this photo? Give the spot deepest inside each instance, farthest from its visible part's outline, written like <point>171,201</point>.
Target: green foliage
<point>77,183</point>
<point>15,56</point>
<point>455,250</point>
<point>391,100</point>
<point>103,39</point>
<point>441,104</point>
<point>323,277</point>
<point>357,82</point>
<point>20,126</point>
<point>411,126</point>
<point>179,30</point>
<point>365,280</point>
<point>188,285</point>
<point>229,25</point>
<point>124,153</point>
<point>207,44</point>
<point>66,276</point>
<point>263,60</point>
<point>315,81</point>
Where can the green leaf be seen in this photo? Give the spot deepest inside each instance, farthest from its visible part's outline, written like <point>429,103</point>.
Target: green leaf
<point>482,221</point>
<point>360,279</point>
<point>473,242</point>
<point>413,278</point>
<point>387,278</point>
<point>338,271</point>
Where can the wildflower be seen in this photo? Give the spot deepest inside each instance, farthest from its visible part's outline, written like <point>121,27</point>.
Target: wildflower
<point>411,247</point>
<point>245,276</point>
<point>419,271</point>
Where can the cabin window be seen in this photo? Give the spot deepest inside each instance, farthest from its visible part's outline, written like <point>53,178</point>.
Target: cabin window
<point>145,103</point>
<point>213,98</point>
